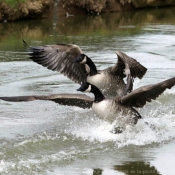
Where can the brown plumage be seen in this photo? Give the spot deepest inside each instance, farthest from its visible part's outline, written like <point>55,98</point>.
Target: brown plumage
<point>137,98</point>
<point>60,58</point>
<point>140,96</point>
<point>80,100</point>
<point>107,109</point>
<point>137,70</point>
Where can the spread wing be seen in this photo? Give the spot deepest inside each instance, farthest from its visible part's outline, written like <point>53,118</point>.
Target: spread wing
<point>79,100</point>
<point>59,58</point>
<point>140,96</point>
<point>124,62</point>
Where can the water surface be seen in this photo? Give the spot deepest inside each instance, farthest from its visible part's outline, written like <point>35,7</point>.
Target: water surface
<point>41,137</point>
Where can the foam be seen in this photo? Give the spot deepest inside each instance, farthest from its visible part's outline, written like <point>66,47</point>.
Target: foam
<point>146,131</point>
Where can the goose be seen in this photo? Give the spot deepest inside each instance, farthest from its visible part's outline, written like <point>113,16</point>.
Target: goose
<point>120,109</point>
<point>64,58</point>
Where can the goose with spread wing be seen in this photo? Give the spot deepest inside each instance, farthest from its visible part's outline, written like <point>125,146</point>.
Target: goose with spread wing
<point>64,58</point>
<point>120,109</point>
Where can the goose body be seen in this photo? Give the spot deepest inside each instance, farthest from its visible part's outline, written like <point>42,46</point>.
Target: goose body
<point>110,111</point>
<point>64,58</point>
<point>119,109</point>
<point>109,84</point>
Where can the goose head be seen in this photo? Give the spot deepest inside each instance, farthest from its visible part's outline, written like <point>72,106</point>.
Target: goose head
<point>89,64</point>
<point>82,59</point>
<point>85,87</point>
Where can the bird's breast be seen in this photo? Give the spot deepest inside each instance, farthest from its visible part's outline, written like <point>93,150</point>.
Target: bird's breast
<point>111,111</point>
<point>110,85</point>
<point>105,110</point>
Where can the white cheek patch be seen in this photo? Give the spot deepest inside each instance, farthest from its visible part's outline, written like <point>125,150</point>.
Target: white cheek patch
<point>87,68</point>
<point>84,60</point>
<point>88,89</point>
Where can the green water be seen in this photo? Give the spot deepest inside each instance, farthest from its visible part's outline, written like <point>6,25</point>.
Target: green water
<point>81,29</point>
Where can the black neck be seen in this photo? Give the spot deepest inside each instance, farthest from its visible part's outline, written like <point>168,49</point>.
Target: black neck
<point>97,93</point>
<point>93,69</point>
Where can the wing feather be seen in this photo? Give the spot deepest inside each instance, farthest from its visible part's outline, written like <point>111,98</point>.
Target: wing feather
<point>59,58</point>
<point>140,96</point>
<point>79,100</point>
<point>136,69</point>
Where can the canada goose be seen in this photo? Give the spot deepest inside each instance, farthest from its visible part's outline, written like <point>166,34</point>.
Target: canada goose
<point>110,81</point>
<point>120,108</point>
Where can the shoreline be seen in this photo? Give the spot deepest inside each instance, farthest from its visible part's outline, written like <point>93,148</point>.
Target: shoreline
<point>39,9</point>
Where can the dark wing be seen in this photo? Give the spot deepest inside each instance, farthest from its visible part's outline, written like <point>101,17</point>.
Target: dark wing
<point>79,100</point>
<point>59,58</point>
<point>140,96</point>
<point>124,61</point>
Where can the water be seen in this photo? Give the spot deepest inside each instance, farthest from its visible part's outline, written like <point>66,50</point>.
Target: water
<point>41,137</point>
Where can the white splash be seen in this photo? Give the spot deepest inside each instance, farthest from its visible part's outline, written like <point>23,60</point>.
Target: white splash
<point>146,131</point>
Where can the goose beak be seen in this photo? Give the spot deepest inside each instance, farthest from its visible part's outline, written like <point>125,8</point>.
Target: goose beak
<point>80,89</point>
<point>84,86</point>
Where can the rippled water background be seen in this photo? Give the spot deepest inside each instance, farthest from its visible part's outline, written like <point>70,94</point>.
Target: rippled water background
<point>41,137</point>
